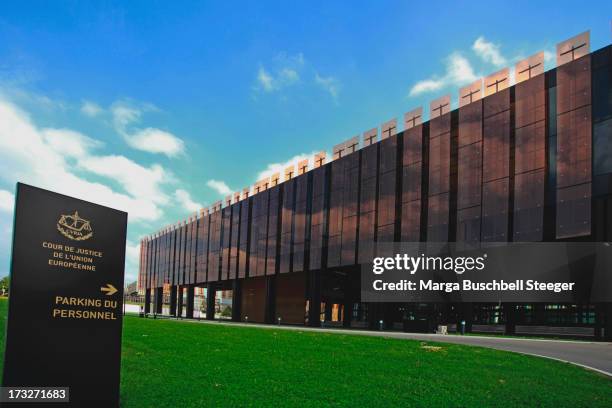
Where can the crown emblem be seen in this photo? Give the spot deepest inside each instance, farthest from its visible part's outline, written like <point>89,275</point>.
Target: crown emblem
<point>74,227</point>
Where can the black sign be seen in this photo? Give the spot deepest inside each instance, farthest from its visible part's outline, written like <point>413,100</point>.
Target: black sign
<point>65,303</point>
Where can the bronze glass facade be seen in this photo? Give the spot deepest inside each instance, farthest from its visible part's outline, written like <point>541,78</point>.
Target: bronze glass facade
<point>526,163</point>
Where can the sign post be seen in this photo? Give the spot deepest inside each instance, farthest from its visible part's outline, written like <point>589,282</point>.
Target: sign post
<point>66,297</point>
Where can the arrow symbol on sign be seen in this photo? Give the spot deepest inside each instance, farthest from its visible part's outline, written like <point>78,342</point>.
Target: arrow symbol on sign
<point>109,289</point>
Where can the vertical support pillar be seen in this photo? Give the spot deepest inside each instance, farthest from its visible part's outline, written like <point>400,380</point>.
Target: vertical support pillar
<point>314,298</point>
<point>603,318</point>
<point>466,312</point>
<point>147,301</point>
<point>270,308</point>
<point>179,302</point>
<point>210,302</point>
<point>348,311</point>
<point>173,294</point>
<point>510,312</point>
<point>236,299</point>
<point>159,298</point>
<point>190,298</point>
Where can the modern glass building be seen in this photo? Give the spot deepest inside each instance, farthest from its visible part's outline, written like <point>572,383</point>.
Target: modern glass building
<point>527,162</point>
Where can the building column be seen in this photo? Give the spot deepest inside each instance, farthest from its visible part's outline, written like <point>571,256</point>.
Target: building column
<point>510,312</point>
<point>190,299</point>
<point>179,302</point>
<point>603,321</point>
<point>376,313</point>
<point>348,311</point>
<point>173,294</point>
<point>466,312</point>
<point>314,298</point>
<point>270,307</point>
<point>236,299</point>
<point>210,302</point>
<point>147,301</point>
<point>159,300</point>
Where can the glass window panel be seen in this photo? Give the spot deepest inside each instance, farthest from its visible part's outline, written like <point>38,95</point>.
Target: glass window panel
<point>529,206</point>
<point>574,85</point>
<point>386,199</point>
<point>530,147</point>
<point>495,211</point>
<point>413,145</point>
<point>468,225</point>
<point>439,164</point>
<point>574,211</point>
<point>469,175</point>
<point>470,123</point>
<point>602,149</point>
<point>366,237</point>
<point>437,223</point>
<point>411,221</point>
<point>411,182</point>
<point>530,101</point>
<point>388,154</point>
<point>574,147</point>
<point>496,151</point>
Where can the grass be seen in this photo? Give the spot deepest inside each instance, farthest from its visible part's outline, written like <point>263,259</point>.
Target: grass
<point>168,363</point>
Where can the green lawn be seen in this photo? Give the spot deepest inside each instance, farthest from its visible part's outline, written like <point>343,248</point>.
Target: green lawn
<point>180,364</point>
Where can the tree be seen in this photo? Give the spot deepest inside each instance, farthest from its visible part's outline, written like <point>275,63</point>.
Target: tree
<point>4,285</point>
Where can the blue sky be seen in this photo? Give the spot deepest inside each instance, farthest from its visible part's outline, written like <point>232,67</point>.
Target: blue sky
<point>159,109</point>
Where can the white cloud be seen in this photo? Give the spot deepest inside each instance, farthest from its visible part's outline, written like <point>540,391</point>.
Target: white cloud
<point>459,72</point>
<point>7,200</point>
<point>137,180</point>
<point>284,73</point>
<point>35,156</point>
<point>329,84</point>
<point>273,168</point>
<point>425,86</point>
<point>156,141</point>
<point>488,52</point>
<point>151,140</point>
<point>265,80</point>
<point>184,199</point>
<point>68,142</point>
<point>219,186</point>
<point>90,109</point>
<point>283,78</point>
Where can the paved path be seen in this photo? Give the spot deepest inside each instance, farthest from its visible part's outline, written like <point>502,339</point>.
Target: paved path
<point>595,356</point>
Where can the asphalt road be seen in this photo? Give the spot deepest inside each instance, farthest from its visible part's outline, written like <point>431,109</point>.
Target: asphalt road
<point>596,356</point>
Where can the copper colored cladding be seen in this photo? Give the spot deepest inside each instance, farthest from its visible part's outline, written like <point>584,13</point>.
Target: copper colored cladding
<point>338,151</point>
<point>228,200</point>
<point>236,196</point>
<point>245,192</point>
<point>439,107</point>
<point>351,145</point>
<point>388,129</point>
<point>289,172</point>
<point>529,67</point>
<point>319,159</point>
<point>497,82</point>
<point>470,93</point>
<point>274,179</point>
<point>370,137</point>
<point>302,166</point>
<point>413,118</point>
<point>574,48</point>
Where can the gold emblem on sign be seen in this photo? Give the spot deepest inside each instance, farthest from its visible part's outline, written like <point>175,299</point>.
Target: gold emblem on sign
<point>74,227</point>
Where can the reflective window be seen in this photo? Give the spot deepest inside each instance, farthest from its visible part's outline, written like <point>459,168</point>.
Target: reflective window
<point>602,140</point>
